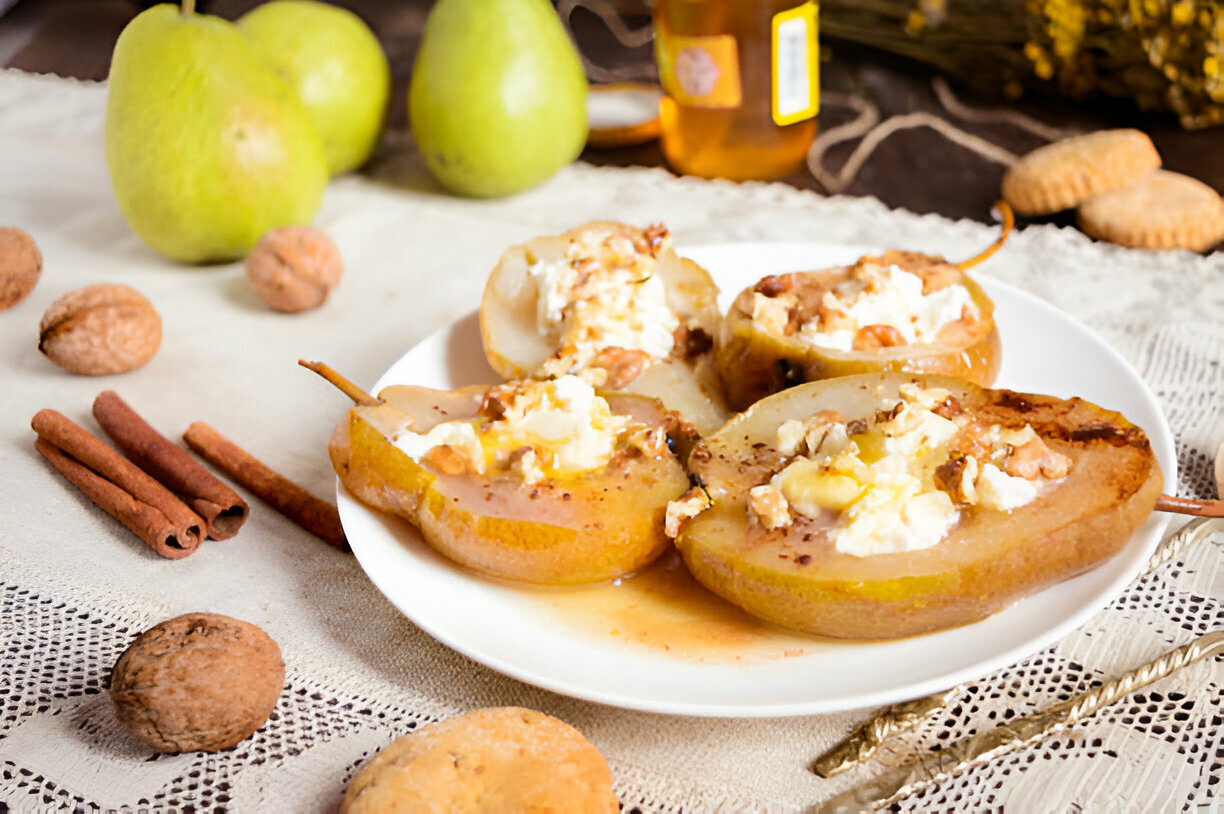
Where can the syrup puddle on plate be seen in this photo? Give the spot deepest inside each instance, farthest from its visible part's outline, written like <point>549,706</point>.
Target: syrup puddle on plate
<point>664,610</point>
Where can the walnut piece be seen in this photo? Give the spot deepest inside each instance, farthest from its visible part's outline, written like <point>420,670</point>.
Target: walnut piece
<point>20,266</point>
<point>294,268</point>
<point>100,329</point>
<point>197,682</point>
<point>623,366</point>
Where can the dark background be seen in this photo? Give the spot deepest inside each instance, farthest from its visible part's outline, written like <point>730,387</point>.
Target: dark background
<point>916,169</point>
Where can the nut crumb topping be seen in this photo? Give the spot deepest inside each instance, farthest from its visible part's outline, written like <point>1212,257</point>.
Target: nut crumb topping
<point>769,506</point>
<point>689,505</point>
<point>622,366</point>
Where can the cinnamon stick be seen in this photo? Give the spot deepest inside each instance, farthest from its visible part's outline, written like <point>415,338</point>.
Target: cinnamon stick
<point>118,486</point>
<point>221,508</point>
<point>317,516</point>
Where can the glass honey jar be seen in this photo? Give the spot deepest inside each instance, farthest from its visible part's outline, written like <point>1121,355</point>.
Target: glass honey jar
<point>741,85</point>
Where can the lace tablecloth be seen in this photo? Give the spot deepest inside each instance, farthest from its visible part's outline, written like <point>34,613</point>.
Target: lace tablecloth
<point>77,587</point>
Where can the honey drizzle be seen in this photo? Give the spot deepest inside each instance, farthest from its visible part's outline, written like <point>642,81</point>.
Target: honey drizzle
<point>664,609</point>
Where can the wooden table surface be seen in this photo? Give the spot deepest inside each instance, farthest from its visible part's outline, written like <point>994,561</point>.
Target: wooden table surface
<point>915,169</point>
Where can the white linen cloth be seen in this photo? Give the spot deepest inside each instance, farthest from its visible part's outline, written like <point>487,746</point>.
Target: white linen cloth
<point>77,587</point>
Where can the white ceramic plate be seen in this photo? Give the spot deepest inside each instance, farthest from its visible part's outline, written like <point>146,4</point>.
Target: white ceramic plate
<point>523,634</point>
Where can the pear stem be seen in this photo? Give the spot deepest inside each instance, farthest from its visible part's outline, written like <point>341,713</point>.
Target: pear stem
<point>188,8</point>
<point>342,384</point>
<point>1009,220</point>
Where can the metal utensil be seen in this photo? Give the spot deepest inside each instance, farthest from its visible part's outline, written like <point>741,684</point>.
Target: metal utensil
<point>978,749</point>
<point>859,746</point>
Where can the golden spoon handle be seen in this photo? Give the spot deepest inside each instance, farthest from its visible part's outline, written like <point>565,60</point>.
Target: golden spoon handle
<point>862,743</point>
<point>1179,541</point>
<point>903,781</point>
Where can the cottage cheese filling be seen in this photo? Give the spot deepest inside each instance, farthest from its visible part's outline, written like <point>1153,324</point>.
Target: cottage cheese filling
<point>883,306</point>
<point>898,480</point>
<point>604,293</point>
<point>537,429</point>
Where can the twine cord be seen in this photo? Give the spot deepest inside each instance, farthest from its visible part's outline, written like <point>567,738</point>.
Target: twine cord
<point>630,38</point>
<point>995,115</point>
<point>834,184</point>
<point>866,124</point>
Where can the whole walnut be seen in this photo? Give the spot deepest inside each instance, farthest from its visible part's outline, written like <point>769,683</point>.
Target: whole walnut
<point>294,268</point>
<point>197,682</point>
<point>100,329</point>
<point>20,265</point>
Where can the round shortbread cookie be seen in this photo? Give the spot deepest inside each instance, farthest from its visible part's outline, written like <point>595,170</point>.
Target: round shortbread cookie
<point>1162,210</point>
<point>504,759</point>
<point>1059,176</point>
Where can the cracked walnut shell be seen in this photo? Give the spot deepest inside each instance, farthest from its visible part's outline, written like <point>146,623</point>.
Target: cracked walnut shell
<point>100,329</point>
<point>197,682</point>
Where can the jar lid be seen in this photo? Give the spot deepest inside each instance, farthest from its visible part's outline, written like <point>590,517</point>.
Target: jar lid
<point>623,114</point>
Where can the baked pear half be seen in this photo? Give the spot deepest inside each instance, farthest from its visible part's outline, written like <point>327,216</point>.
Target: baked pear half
<point>884,505</point>
<point>545,482</point>
<point>614,304</point>
<point>898,311</point>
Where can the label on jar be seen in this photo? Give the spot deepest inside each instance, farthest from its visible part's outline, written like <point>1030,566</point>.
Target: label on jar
<point>796,65</point>
<point>700,71</point>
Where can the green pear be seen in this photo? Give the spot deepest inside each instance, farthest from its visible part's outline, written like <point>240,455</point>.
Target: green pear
<point>337,67</point>
<point>497,100</point>
<point>207,148</point>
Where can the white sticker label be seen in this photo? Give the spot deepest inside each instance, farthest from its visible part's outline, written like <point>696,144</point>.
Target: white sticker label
<point>794,76</point>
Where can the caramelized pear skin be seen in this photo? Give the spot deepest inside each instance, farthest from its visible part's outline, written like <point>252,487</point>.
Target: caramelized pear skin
<point>687,381</point>
<point>990,558</point>
<point>755,362</point>
<point>593,527</point>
